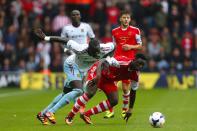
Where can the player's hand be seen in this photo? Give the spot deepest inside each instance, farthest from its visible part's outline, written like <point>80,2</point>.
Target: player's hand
<point>126,47</point>
<point>39,33</point>
<point>92,82</point>
<point>112,62</point>
<point>128,114</point>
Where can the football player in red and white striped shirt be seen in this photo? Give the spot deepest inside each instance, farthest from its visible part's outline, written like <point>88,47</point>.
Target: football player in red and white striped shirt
<point>103,74</point>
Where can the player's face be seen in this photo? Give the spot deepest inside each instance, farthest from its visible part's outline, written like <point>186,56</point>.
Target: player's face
<point>125,19</point>
<point>75,17</point>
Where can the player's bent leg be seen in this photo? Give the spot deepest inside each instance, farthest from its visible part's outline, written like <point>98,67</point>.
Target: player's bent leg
<point>113,99</point>
<point>66,99</point>
<point>55,100</point>
<point>101,107</point>
<point>80,102</point>
<point>42,119</point>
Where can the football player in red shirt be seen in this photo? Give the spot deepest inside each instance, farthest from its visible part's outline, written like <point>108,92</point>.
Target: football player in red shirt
<point>103,74</point>
<point>128,41</point>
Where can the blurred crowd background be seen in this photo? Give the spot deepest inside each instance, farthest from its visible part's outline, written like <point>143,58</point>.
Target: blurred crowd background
<point>168,28</point>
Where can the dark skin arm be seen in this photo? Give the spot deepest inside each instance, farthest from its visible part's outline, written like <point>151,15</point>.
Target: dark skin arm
<point>92,84</point>
<point>42,35</point>
<point>103,65</point>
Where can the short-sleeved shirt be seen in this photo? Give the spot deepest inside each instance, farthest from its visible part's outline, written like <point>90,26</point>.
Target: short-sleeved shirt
<point>83,59</point>
<point>79,34</point>
<point>130,36</point>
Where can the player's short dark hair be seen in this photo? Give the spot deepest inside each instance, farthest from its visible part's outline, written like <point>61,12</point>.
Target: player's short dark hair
<point>138,63</point>
<point>141,56</point>
<point>125,12</point>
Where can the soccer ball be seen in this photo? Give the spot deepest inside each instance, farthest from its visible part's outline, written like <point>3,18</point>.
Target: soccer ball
<point>157,119</point>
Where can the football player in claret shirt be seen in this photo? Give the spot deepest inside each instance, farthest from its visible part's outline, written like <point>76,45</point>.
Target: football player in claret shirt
<point>80,55</point>
<point>78,34</point>
<point>128,41</point>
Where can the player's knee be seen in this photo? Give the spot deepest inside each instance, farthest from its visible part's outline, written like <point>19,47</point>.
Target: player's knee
<point>134,85</point>
<point>91,91</point>
<point>78,91</point>
<point>73,94</point>
<point>90,94</point>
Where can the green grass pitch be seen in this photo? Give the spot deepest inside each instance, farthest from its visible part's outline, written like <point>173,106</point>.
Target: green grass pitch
<point>19,108</point>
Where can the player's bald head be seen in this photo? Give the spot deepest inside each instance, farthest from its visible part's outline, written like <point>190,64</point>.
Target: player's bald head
<point>74,12</point>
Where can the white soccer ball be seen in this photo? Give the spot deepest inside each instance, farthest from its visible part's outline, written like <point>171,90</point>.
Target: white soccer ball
<point>157,119</point>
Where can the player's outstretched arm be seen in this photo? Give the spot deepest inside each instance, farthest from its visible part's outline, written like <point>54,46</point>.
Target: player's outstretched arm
<point>42,36</point>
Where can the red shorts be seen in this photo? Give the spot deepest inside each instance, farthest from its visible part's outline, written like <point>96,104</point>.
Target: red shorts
<point>107,86</point>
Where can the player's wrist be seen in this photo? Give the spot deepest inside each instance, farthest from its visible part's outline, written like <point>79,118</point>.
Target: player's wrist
<point>131,47</point>
<point>47,38</point>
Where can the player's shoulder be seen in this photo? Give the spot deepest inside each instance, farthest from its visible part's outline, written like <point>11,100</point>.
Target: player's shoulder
<point>66,27</point>
<point>116,29</point>
<point>85,24</point>
<point>134,28</point>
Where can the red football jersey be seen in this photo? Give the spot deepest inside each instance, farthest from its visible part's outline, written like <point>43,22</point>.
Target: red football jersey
<point>115,73</point>
<point>130,36</point>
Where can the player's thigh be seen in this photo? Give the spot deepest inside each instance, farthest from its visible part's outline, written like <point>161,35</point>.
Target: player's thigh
<point>108,86</point>
<point>126,85</point>
<point>111,91</point>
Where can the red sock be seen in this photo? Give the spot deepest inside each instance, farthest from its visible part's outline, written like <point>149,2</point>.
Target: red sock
<point>111,109</point>
<point>81,101</point>
<point>101,107</point>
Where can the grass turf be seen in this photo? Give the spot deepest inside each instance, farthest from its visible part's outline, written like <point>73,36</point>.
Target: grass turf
<point>19,108</point>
